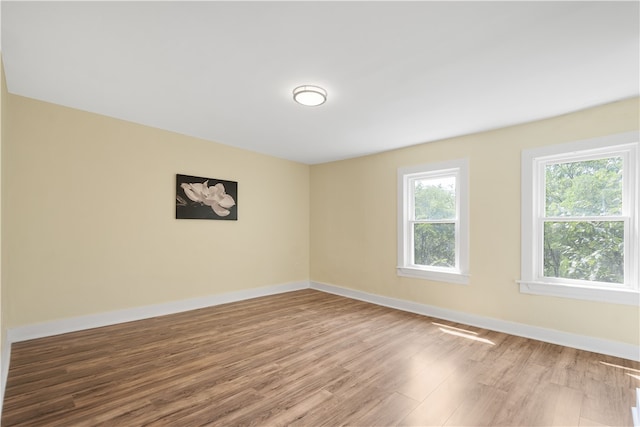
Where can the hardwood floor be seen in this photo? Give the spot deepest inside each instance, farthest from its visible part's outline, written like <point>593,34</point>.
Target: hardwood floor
<point>307,358</point>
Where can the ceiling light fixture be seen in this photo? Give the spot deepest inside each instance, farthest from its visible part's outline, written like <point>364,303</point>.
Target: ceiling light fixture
<point>311,96</point>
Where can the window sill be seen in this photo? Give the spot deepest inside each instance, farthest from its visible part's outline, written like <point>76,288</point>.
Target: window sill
<point>613,296</point>
<point>437,276</point>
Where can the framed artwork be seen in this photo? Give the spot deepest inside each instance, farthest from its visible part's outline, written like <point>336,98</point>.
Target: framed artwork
<point>206,198</point>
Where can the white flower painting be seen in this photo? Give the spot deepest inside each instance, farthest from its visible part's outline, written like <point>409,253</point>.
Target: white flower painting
<point>206,198</point>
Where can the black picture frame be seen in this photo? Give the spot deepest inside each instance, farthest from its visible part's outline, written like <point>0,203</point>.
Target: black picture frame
<point>206,198</point>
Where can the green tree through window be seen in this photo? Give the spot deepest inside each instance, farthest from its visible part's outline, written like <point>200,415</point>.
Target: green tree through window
<point>435,241</point>
<point>583,228</point>
<point>433,221</point>
<point>579,224</point>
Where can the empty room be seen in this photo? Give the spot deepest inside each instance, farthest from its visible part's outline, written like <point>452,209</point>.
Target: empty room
<point>325,213</point>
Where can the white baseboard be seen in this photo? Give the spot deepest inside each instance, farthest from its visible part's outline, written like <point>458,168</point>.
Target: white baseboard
<point>23,333</point>
<point>40,330</point>
<point>581,342</point>
<point>56,327</point>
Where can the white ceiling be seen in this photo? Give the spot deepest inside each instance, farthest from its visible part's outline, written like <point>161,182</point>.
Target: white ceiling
<point>397,73</point>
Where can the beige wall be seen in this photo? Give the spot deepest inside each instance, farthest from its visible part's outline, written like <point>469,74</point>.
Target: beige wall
<point>88,220</point>
<point>353,226</point>
<point>90,216</point>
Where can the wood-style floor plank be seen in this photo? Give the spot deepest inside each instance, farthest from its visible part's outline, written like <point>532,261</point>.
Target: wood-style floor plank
<point>308,358</point>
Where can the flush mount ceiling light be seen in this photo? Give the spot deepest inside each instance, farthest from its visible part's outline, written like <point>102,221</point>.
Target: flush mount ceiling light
<point>310,96</point>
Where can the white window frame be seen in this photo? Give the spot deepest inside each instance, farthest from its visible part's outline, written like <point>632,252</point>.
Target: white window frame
<point>534,160</point>
<point>406,176</point>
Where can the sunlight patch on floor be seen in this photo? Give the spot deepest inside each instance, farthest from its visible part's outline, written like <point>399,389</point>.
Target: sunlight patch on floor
<point>620,367</point>
<point>466,335</point>
<point>454,328</point>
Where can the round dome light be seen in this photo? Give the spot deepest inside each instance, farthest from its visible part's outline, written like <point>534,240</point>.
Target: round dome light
<point>311,96</point>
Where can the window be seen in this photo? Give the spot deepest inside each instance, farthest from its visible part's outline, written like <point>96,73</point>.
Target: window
<point>433,237</point>
<point>580,220</point>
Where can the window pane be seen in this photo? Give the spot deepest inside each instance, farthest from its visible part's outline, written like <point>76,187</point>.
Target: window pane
<point>434,245</point>
<point>586,188</point>
<point>435,198</point>
<point>591,251</point>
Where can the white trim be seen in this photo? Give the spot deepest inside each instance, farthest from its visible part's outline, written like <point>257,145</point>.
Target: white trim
<point>531,281</point>
<point>56,327</point>
<point>581,342</point>
<point>608,295</point>
<point>460,169</point>
<point>73,324</point>
<point>435,275</point>
<point>598,345</point>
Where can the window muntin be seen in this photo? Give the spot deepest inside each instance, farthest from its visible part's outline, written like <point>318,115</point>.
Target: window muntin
<point>582,198</point>
<point>432,229</point>
<point>435,219</point>
<point>584,220</point>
